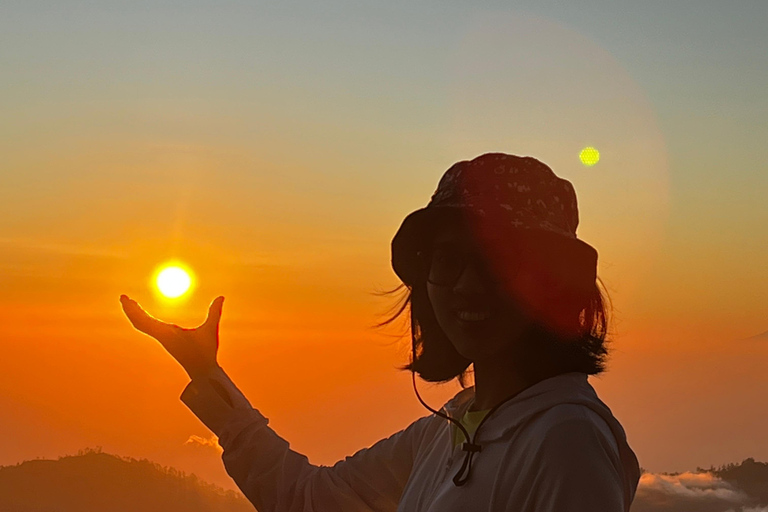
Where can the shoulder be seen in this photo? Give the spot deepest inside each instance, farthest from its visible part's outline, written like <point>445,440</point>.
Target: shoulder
<point>422,431</point>
<point>560,415</point>
<point>573,430</point>
<point>574,462</point>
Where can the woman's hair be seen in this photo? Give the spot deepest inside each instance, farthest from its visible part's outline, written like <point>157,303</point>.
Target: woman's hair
<point>436,359</point>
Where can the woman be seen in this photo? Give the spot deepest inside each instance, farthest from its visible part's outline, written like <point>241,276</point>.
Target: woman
<point>498,279</point>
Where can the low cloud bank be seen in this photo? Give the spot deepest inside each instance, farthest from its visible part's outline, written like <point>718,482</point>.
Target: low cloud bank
<point>700,491</point>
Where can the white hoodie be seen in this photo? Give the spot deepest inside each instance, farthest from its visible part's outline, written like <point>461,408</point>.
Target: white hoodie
<point>555,447</point>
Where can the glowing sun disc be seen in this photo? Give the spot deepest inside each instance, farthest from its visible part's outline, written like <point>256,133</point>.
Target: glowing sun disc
<point>173,282</point>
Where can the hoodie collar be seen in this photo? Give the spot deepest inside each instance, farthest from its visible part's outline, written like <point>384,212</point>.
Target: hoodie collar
<point>571,387</point>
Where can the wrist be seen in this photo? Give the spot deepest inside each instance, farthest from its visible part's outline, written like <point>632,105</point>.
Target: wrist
<point>202,371</point>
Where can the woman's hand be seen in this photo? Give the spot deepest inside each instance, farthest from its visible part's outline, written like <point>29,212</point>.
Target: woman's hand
<point>195,349</point>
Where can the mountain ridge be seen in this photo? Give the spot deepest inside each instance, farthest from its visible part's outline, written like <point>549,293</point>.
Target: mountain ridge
<point>94,481</point>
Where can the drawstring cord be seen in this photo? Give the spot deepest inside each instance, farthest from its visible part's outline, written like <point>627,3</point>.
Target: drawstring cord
<point>470,447</point>
<point>465,446</point>
<point>413,375</point>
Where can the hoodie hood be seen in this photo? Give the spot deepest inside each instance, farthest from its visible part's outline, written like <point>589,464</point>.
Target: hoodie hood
<point>566,388</point>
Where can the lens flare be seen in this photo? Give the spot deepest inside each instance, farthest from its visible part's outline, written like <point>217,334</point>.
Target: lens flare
<point>173,281</point>
<point>589,156</point>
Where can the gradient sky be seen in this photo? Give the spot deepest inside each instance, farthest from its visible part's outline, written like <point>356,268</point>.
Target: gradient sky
<point>276,149</point>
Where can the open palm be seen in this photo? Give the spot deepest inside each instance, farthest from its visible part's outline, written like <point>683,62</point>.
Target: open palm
<point>195,349</point>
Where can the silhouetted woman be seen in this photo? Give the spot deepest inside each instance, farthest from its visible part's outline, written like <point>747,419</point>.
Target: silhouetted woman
<point>496,278</point>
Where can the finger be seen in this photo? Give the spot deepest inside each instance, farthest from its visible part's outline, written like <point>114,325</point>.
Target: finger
<point>214,313</point>
<point>140,319</point>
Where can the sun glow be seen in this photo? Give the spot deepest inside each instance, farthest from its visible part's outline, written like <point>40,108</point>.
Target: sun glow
<point>173,281</point>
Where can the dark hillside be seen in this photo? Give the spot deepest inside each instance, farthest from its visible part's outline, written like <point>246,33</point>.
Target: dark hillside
<point>98,482</point>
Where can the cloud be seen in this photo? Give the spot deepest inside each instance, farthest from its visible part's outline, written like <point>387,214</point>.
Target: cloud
<point>691,485</point>
<point>701,491</point>
<point>211,443</point>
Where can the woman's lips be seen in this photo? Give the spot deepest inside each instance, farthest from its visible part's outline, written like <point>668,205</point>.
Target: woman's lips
<point>474,325</point>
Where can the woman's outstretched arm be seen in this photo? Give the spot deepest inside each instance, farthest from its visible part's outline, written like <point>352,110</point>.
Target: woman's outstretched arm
<point>274,477</point>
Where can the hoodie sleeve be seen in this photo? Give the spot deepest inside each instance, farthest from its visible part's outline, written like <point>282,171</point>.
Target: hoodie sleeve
<point>577,469</point>
<point>277,479</point>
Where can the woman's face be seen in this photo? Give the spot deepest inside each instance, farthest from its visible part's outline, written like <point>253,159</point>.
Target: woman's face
<point>475,290</point>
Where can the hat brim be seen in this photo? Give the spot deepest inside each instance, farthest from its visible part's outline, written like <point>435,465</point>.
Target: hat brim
<point>416,233</point>
<point>566,260</point>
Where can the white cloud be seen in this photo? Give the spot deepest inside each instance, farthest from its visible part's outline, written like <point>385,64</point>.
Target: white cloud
<point>701,491</point>
<point>211,443</point>
<point>691,485</point>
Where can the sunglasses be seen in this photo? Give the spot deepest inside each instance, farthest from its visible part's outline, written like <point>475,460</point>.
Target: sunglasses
<point>444,263</point>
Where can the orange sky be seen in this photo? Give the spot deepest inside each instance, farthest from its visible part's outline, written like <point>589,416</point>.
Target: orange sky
<point>283,192</point>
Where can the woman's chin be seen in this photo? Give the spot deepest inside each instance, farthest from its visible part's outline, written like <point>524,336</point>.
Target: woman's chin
<point>478,349</point>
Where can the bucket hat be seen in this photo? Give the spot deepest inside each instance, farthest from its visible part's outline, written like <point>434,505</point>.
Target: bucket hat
<point>520,201</point>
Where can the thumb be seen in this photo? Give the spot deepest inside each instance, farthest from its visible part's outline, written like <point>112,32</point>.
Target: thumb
<point>214,313</point>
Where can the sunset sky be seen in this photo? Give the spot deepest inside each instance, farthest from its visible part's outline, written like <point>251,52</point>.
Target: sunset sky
<point>276,148</point>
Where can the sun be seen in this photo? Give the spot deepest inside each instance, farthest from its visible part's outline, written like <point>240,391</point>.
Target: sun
<point>173,281</point>
<point>589,156</point>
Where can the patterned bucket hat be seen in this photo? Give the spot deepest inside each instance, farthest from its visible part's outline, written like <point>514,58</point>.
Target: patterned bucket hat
<point>521,201</point>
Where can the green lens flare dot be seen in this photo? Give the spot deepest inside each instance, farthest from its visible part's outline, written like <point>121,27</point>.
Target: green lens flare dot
<point>589,156</point>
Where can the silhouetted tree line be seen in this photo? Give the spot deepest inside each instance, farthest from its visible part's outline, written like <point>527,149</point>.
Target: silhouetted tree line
<point>92,481</point>
<point>750,476</point>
